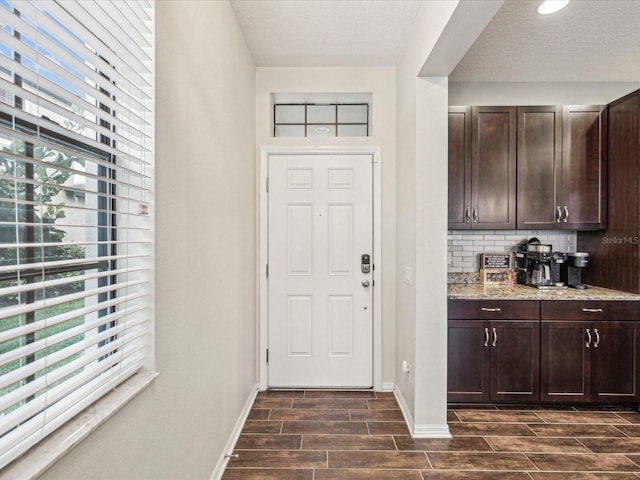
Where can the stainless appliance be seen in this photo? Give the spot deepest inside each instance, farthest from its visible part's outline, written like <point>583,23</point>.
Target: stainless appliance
<point>571,271</point>
<point>534,263</point>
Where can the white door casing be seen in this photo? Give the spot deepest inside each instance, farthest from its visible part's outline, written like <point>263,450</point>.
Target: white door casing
<point>320,311</point>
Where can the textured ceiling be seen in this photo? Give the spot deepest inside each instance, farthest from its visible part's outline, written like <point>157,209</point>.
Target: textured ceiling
<point>589,40</point>
<point>326,32</point>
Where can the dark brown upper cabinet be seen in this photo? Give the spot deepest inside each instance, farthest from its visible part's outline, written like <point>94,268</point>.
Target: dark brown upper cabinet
<point>459,168</point>
<point>539,167</point>
<point>584,167</point>
<point>562,167</point>
<point>482,168</point>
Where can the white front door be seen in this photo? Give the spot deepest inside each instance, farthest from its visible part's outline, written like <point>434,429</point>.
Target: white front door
<point>320,301</point>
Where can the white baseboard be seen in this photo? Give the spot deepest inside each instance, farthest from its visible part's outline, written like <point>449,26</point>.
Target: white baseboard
<point>426,430</point>
<point>408,418</point>
<point>420,430</point>
<point>388,386</point>
<point>218,471</point>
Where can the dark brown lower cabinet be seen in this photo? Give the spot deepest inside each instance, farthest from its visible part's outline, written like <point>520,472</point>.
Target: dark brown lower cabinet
<point>589,362</point>
<point>543,351</point>
<point>493,360</point>
<point>514,361</point>
<point>565,362</point>
<point>586,360</point>
<point>468,361</point>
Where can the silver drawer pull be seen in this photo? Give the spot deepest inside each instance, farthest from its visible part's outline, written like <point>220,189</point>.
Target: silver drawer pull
<point>592,310</point>
<point>595,345</point>
<point>484,309</point>
<point>588,338</point>
<point>495,337</point>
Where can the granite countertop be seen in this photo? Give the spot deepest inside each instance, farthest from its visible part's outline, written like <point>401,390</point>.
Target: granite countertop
<point>458,291</point>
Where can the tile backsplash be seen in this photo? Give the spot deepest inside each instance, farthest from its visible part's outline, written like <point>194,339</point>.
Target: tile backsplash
<point>465,247</point>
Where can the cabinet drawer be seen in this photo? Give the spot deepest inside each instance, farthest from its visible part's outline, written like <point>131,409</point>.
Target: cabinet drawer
<point>494,309</point>
<point>589,310</point>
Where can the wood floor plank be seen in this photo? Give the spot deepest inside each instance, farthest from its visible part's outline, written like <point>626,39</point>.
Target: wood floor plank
<point>279,459</point>
<point>468,444</point>
<point>466,475</point>
<point>366,474</point>
<point>479,461</point>
<point>582,462</point>
<point>348,442</point>
<point>382,460</point>
<point>309,414</point>
<point>327,427</point>
<point>267,474</point>
<point>268,442</point>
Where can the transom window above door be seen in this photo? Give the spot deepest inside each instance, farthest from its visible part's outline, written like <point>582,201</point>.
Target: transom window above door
<point>321,120</point>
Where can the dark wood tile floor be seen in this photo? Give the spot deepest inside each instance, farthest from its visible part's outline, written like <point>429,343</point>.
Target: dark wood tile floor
<point>353,435</point>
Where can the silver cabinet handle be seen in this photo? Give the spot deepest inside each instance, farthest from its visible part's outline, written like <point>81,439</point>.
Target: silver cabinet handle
<point>486,337</point>
<point>595,345</point>
<point>588,338</point>
<point>592,310</point>
<point>475,215</point>
<point>495,337</point>
<point>566,214</point>
<point>485,309</point>
<point>559,214</point>
<point>467,215</point>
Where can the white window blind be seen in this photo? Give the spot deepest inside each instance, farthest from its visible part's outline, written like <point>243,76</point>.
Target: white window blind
<point>76,198</point>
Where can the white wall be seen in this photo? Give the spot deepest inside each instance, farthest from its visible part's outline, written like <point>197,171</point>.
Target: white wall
<point>380,82</point>
<point>206,240</point>
<point>443,32</point>
<point>414,185</point>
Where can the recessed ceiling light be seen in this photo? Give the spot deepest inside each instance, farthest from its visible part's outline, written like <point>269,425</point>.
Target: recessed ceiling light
<point>552,6</point>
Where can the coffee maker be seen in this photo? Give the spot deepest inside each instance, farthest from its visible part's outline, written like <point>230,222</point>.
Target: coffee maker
<point>534,263</point>
<point>571,270</point>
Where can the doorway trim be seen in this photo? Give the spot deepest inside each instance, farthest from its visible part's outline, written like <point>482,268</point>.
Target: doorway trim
<point>263,310</point>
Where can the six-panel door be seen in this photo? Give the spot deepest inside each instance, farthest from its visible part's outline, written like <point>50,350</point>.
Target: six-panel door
<point>320,299</point>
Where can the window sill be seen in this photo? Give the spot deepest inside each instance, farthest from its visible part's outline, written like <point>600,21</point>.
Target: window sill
<point>43,455</point>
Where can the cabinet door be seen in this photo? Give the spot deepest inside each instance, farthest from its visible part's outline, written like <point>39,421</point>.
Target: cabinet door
<point>565,349</point>
<point>493,168</point>
<point>468,361</point>
<point>515,360</point>
<point>539,167</point>
<point>459,168</point>
<point>584,187</point>
<point>614,354</point>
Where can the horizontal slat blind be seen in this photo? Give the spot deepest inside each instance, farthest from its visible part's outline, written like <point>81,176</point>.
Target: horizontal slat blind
<point>76,204</point>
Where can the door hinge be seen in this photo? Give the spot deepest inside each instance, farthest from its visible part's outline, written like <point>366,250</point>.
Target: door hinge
<point>267,184</point>
<point>267,355</point>
<point>267,270</point>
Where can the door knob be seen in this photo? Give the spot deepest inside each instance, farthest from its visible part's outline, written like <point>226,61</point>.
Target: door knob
<point>365,283</point>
